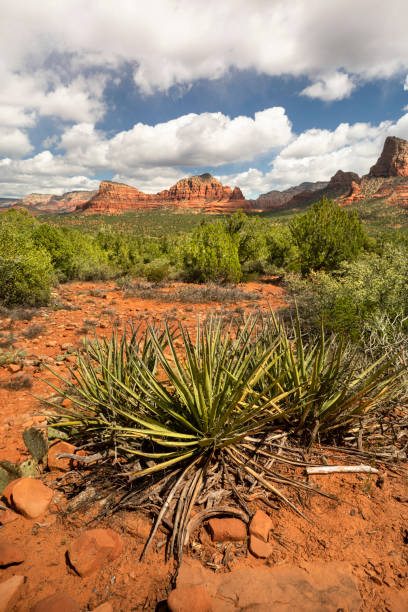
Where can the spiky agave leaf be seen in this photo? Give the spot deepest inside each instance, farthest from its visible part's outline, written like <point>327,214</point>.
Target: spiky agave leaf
<point>331,390</point>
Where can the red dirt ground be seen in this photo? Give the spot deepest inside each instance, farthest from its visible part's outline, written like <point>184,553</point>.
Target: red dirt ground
<point>368,529</point>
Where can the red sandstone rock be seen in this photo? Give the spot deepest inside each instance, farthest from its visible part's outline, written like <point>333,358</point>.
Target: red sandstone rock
<point>189,598</point>
<point>9,591</point>
<point>10,554</point>
<point>227,529</point>
<point>393,160</point>
<point>259,548</point>
<point>48,203</point>
<point>202,192</point>
<point>328,585</point>
<point>93,549</point>
<point>260,525</point>
<point>343,180</point>
<point>105,607</point>
<point>354,195</point>
<point>60,602</point>
<point>63,464</point>
<point>7,516</point>
<point>8,491</point>
<point>137,526</point>
<point>29,496</point>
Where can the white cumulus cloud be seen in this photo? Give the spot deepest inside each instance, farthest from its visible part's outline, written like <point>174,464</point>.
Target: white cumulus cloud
<point>206,139</point>
<point>331,87</point>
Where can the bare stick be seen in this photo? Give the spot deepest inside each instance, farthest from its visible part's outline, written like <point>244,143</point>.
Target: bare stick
<point>334,469</point>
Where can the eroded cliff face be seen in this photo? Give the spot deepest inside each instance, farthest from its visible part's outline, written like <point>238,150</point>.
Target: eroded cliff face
<point>387,179</point>
<point>196,193</point>
<point>49,203</point>
<point>393,160</point>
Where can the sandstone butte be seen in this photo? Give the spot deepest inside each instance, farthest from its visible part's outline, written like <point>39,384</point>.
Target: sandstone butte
<point>49,203</point>
<point>202,193</point>
<point>387,179</point>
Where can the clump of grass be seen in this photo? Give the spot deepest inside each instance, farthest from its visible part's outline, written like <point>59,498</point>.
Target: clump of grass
<point>214,293</point>
<point>97,293</point>
<point>7,340</point>
<point>145,290</point>
<point>22,314</point>
<point>66,306</point>
<point>17,383</point>
<point>180,416</point>
<point>33,331</point>
<point>110,312</point>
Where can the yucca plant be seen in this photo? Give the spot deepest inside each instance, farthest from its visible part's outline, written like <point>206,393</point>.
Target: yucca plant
<point>331,389</point>
<point>181,412</point>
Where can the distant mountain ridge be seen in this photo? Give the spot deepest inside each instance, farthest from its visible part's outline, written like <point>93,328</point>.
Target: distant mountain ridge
<point>197,193</point>
<point>387,179</point>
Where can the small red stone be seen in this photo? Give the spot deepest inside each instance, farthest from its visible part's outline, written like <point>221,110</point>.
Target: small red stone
<point>60,602</point>
<point>189,598</point>
<point>227,529</point>
<point>93,549</point>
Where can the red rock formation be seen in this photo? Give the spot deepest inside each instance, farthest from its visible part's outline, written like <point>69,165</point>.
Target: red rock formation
<point>343,180</point>
<point>393,160</point>
<point>49,203</point>
<point>197,193</point>
<point>284,199</point>
<point>354,195</point>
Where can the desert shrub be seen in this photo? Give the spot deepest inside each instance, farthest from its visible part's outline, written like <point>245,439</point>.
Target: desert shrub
<point>355,299</point>
<point>157,271</point>
<point>248,234</point>
<point>91,262</point>
<point>282,253</point>
<point>326,235</point>
<point>122,251</point>
<point>210,254</point>
<point>61,250</point>
<point>33,331</point>
<point>26,272</point>
<point>213,293</point>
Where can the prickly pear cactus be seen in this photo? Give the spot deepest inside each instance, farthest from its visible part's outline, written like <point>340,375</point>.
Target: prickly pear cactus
<point>56,434</point>
<point>36,443</point>
<point>8,472</point>
<point>29,468</point>
<point>4,479</point>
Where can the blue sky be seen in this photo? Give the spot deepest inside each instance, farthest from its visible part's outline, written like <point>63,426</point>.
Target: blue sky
<point>263,94</point>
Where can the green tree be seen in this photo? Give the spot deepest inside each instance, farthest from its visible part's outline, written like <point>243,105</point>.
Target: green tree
<point>327,235</point>
<point>26,272</point>
<point>61,250</point>
<point>210,254</point>
<point>248,233</point>
<point>282,252</point>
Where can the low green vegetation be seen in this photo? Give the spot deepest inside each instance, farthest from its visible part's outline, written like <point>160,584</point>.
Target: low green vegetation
<point>333,269</point>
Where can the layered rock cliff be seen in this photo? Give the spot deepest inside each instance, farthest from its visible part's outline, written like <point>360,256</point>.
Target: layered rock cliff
<point>307,193</point>
<point>393,160</point>
<point>280,199</point>
<point>48,203</point>
<point>387,179</point>
<point>202,192</point>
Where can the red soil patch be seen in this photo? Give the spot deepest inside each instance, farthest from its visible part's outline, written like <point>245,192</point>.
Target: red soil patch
<point>368,529</point>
